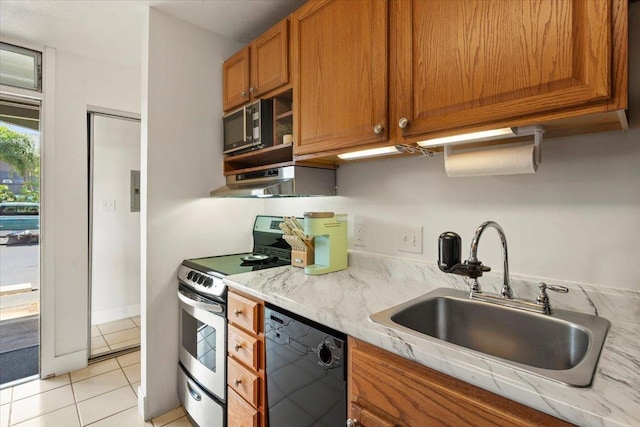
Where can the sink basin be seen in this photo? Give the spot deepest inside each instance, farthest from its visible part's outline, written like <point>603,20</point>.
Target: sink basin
<point>564,346</point>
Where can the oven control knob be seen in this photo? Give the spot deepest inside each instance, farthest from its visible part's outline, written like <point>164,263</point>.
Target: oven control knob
<point>201,279</point>
<point>208,282</point>
<point>195,277</point>
<point>190,275</point>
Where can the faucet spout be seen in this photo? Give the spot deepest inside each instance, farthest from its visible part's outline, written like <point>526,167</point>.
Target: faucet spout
<point>473,254</point>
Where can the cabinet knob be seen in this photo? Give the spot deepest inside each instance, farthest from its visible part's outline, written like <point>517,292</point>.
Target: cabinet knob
<point>403,122</point>
<point>377,129</point>
<point>352,423</point>
<point>244,93</point>
<point>237,347</point>
<point>237,382</point>
<point>252,89</point>
<point>237,312</point>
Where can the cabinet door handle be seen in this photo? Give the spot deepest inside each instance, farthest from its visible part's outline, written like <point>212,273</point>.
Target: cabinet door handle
<point>353,423</point>
<point>237,382</point>
<point>402,123</point>
<point>237,347</point>
<point>237,312</point>
<point>377,129</point>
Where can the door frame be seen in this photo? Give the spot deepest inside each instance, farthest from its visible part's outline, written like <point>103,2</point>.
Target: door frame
<point>47,234</point>
<point>93,111</point>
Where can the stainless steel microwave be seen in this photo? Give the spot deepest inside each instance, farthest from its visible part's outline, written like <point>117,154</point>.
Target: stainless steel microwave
<point>248,128</point>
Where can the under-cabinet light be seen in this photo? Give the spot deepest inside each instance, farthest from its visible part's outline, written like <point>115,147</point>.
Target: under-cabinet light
<point>373,152</point>
<point>386,151</point>
<point>470,137</point>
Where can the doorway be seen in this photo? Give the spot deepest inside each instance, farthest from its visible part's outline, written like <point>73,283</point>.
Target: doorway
<point>114,235</point>
<point>19,239</point>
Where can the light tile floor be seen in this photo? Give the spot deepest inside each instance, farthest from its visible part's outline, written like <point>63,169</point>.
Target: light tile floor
<point>115,336</point>
<point>101,395</point>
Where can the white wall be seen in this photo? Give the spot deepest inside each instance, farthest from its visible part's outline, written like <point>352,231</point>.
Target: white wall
<point>115,239</point>
<point>74,83</point>
<point>577,218</point>
<point>181,164</point>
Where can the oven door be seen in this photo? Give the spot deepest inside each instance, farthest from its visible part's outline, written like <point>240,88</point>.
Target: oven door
<point>203,331</point>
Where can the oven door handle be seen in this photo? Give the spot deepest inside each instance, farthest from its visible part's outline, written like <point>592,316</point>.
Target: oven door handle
<point>213,307</point>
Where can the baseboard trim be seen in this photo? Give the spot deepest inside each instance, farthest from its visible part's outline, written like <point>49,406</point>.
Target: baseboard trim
<point>104,316</point>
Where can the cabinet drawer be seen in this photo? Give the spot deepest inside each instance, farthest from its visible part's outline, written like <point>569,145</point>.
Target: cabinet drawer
<point>240,413</point>
<point>244,312</point>
<point>244,347</point>
<point>244,382</point>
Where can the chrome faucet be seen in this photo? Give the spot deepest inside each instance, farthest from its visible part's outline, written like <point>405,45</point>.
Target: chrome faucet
<point>449,261</point>
<point>473,257</point>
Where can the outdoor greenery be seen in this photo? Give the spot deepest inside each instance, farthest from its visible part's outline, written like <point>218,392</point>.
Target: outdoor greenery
<point>20,152</point>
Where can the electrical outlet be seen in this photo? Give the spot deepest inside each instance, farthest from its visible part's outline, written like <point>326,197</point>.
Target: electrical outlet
<point>410,239</point>
<point>358,232</point>
<point>108,206</point>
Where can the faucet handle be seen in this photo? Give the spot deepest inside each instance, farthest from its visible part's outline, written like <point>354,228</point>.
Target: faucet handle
<point>555,288</point>
<point>543,299</point>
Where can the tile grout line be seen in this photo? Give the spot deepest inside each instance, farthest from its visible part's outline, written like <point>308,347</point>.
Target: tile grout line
<point>108,416</point>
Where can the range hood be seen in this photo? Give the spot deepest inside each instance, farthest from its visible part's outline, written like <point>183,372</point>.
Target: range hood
<point>287,181</point>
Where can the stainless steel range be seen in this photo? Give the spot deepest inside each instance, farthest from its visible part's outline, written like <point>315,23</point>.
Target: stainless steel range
<point>203,319</point>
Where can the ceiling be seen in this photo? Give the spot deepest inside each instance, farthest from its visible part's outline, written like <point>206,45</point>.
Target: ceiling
<point>111,30</point>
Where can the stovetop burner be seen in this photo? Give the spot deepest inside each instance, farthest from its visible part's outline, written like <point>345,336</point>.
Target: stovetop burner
<point>205,275</point>
<point>226,265</point>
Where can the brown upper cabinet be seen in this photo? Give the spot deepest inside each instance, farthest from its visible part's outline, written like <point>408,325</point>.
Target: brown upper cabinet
<point>339,74</point>
<point>474,63</point>
<point>258,68</point>
<point>235,80</point>
<point>369,73</point>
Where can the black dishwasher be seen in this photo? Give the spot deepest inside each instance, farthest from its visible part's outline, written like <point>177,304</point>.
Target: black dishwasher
<point>306,372</point>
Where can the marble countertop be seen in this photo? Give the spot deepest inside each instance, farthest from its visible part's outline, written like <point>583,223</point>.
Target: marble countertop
<point>344,301</point>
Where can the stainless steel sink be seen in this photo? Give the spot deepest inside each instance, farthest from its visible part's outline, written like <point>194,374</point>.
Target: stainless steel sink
<point>564,346</point>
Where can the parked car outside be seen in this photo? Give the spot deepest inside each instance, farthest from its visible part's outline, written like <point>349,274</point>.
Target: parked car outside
<point>23,237</point>
<point>19,216</point>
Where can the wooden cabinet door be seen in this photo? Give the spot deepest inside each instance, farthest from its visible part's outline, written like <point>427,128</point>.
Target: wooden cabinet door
<point>235,80</point>
<point>362,417</point>
<point>397,392</point>
<point>240,413</point>
<point>340,74</point>
<point>471,62</point>
<point>270,59</point>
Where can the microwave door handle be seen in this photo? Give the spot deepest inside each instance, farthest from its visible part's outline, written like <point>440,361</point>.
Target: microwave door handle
<point>248,124</point>
<point>215,308</point>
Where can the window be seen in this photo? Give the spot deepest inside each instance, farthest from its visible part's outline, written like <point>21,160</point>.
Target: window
<point>20,67</point>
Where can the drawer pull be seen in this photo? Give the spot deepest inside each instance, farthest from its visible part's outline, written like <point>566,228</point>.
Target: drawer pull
<point>237,312</point>
<point>237,347</point>
<point>194,393</point>
<point>237,382</point>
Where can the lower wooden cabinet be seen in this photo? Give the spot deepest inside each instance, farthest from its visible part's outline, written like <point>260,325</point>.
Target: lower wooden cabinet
<point>246,386</point>
<point>240,413</point>
<point>386,390</point>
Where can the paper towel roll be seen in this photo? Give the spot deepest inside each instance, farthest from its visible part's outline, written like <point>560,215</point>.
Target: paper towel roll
<point>496,161</point>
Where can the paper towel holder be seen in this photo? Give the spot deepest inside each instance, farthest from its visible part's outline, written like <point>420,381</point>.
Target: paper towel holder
<point>536,131</point>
